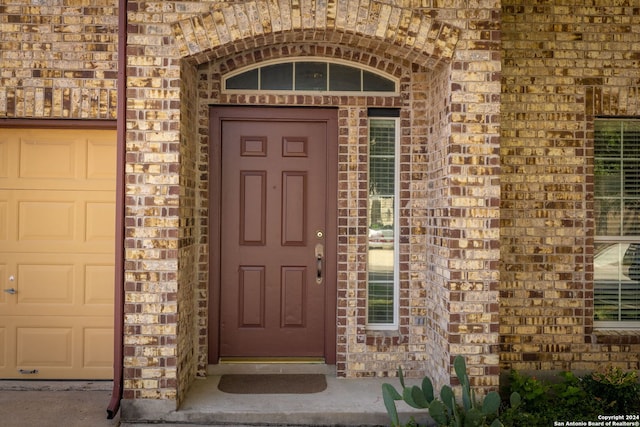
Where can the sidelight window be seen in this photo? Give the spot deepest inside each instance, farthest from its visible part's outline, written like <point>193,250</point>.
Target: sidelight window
<point>617,217</point>
<point>382,258</point>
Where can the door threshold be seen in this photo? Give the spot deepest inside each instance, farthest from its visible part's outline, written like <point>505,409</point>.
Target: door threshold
<point>255,360</point>
<point>271,365</point>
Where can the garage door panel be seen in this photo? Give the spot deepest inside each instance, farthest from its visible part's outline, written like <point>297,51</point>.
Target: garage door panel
<point>5,283</point>
<point>57,159</point>
<point>4,159</point>
<point>101,159</point>
<point>4,220</point>
<point>46,284</point>
<point>57,230</point>
<point>4,347</point>
<point>98,347</point>
<point>58,221</point>
<point>99,221</point>
<point>79,285</point>
<point>53,347</point>
<point>49,156</point>
<point>40,347</point>
<point>98,285</point>
<point>46,220</point>
<point>8,157</point>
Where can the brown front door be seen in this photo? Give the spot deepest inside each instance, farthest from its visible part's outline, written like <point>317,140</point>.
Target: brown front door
<point>273,217</point>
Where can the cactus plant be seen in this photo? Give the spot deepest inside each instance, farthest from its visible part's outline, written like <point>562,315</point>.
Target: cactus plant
<point>446,411</point>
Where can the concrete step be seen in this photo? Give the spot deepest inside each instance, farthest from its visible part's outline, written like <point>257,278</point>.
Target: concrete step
<point>345,402</point>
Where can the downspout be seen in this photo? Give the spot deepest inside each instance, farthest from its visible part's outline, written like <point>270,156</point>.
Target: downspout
<point>121,112</point>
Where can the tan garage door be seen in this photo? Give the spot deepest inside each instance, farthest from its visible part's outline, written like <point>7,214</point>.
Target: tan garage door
<point>57,220</point>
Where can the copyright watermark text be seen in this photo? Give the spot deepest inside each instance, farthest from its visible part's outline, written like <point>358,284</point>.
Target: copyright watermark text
<point>603,421</point>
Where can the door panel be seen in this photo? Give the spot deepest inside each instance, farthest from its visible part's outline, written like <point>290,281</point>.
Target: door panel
<point>294,213</point>
<point>273,203</point>
<point>253,208</point>
<point>251,296</point>
<point>294,301</point>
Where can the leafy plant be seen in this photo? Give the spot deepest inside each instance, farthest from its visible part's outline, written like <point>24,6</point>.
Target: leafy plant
<point>606,391</point>
<point>445,410</point>
<point>619,391</point>
<point>531,390</point>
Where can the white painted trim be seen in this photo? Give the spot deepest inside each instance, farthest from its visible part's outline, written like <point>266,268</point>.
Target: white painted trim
<point>396,241</point>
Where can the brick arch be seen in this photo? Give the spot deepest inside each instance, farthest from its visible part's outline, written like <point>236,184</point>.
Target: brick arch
<point>402,33</point>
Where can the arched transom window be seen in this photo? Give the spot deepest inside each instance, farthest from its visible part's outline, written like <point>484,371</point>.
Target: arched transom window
<point>309,75</point>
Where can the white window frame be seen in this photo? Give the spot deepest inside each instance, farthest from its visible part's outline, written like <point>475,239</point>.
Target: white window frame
<point>396,233</point>
<point>614,239</point>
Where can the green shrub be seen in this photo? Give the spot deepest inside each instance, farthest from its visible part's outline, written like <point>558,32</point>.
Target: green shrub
<point>534,393</point>
<point>608,391</point>
<point>618,391</point>
<point>531,402</point>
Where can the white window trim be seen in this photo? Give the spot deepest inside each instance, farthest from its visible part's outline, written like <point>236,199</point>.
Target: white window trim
<point>396,240</point>
<point>612,324</point>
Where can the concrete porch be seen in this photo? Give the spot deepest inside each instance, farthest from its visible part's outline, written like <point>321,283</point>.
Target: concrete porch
<point>345,402</point>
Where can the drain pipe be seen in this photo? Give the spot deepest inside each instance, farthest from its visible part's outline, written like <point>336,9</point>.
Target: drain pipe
<point>121,112</point>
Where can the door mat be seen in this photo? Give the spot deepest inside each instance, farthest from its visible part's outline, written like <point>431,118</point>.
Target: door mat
<point>272,383</point>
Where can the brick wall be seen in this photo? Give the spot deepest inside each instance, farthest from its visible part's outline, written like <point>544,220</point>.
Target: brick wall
<point>564,63</point>
<point>471,225</point>
<point>58,59</point>
<point>190,315</point>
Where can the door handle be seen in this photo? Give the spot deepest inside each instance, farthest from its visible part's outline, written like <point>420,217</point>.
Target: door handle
<point>10,291</point>
<point>319,259</point>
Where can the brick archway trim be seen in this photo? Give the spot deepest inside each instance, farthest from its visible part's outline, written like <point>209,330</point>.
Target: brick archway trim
<point>405,33</point>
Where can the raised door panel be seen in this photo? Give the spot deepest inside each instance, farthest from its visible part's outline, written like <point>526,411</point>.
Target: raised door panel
<point>294,208</point>
<point>251,293</point>
<point>253,218</point>
<point>294,299</point>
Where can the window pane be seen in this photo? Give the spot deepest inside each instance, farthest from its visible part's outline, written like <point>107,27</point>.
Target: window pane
<point>277,77</point>
<point>631,170</point>
<point>246,80</point>
<point>608,177</point>
<point>381,303</point>
<point>617,216</point>
<point>375,83</point>
<point>607,138</point>
<point>608,217</point>
<point>631,142</point>
<point>617,282</point>
<point>631,218</point>
<point>311,76</point>
<point>344,78</point>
